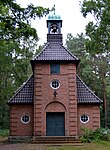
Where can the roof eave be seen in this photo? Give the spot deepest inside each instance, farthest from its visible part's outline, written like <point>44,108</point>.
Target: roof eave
<point>33,62</point>
<point>87,103</point>
<point>18,103</point>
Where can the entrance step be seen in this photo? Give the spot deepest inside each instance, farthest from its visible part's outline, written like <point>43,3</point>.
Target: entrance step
<point>57,140</point>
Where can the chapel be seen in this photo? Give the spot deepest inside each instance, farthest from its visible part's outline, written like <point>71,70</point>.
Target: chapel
<point>54,101</point>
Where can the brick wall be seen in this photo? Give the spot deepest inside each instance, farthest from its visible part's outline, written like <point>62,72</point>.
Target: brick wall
<point>93,111</point>
<point>66,96</point>
<point>17,128</point>
<point>72,100</point>
<point>44,101</point>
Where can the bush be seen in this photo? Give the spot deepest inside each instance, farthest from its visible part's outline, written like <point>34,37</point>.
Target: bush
<point>4,132</point>
<point>95,135</point>
<point>4,116</point>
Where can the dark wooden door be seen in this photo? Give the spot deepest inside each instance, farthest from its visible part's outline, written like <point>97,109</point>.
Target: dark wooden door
<point>55,124</point>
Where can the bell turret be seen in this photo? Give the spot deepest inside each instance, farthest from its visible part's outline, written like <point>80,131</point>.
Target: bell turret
<point>54,24</point>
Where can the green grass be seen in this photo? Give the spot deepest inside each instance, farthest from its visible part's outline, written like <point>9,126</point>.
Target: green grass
<point>90,146</point>
<point>4,132</point>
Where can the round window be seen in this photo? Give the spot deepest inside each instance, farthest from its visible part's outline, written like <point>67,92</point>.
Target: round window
<point>84,118</point>
<point>25,119</point>
<point>55,84</point>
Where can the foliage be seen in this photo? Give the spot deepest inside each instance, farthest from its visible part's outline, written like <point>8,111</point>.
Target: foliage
<point>99,30</point>
<point>95,135</point>
<point>4,132</point>
<point>18,41</point>
<point>98,42</point>
<point>94,69</point>
<point>4,117</point>
<point>94,51</point>
<point>86,69</point>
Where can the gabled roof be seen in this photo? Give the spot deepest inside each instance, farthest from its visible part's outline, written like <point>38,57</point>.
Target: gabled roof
<point>25,94</point>
<point>84,94</point>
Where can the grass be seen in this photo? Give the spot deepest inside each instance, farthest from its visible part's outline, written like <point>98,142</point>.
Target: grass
<point>4,132</point>
<point>90,146</point>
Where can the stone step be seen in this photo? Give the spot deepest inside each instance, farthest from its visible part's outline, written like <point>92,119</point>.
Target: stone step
<point>57,137</point>
<point>55,140</point>
<point>61,144</point>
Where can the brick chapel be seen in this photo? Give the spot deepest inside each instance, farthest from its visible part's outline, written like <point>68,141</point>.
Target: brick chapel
<point>54,101</point>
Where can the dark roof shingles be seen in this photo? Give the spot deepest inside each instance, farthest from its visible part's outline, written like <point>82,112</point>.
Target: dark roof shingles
<point>55,51</point>
<point>26,93</point>
<point>84,94</point>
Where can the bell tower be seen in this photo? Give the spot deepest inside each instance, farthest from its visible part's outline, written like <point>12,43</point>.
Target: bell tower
<point>54,25</point>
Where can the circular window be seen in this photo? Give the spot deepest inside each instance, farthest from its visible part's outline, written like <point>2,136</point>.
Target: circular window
<point>84,118</point>
<point>25,119</point>
<point>55,84</point>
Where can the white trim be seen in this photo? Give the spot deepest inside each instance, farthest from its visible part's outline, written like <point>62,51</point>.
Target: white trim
<point>83,121</point>
<point>53,81</point>
<point>23,121</point>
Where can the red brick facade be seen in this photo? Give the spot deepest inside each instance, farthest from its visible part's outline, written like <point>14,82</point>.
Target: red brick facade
<point>44,101</point>
<point>17,128</point>
<point>65,100</point>
<point>93,111</point>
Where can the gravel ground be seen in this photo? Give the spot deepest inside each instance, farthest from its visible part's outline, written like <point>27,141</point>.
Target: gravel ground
<point>20,146</point>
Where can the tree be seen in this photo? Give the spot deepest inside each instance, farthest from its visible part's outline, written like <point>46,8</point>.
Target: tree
<point>18,41</point>
<point>93,69</point>
<point>98,42</point>
<point>86,68</point>
<point>99,30</point>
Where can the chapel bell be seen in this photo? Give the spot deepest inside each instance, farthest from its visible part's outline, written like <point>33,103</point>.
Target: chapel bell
<point>54,28</point>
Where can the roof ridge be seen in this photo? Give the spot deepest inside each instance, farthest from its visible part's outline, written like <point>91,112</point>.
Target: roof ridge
<point>89,89</point>
<point>38,55</point>
<point>20,88</point>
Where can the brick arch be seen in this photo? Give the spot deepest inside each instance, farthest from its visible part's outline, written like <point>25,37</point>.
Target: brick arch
<point>55,107</point>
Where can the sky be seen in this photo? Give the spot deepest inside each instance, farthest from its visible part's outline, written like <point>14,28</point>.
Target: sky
<point>69,10</point>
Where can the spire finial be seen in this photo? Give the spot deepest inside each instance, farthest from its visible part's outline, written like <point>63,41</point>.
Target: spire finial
<point>54,8</point>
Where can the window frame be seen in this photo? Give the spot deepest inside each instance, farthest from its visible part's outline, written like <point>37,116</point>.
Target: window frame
<point>85,116</point>
<point>55,81</point>
<point>23,120</point>
<point>54,68</point>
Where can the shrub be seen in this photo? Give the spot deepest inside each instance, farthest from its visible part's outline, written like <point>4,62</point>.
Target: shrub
<point>95,135</point>
<point>4,132</point>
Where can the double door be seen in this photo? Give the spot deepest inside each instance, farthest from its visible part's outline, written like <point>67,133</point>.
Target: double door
<point>55,124</point>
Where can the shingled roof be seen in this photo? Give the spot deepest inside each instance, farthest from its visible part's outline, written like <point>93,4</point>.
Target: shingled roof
<point>25,94</point>
<point>55,51</point>
<point>84,94</point>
